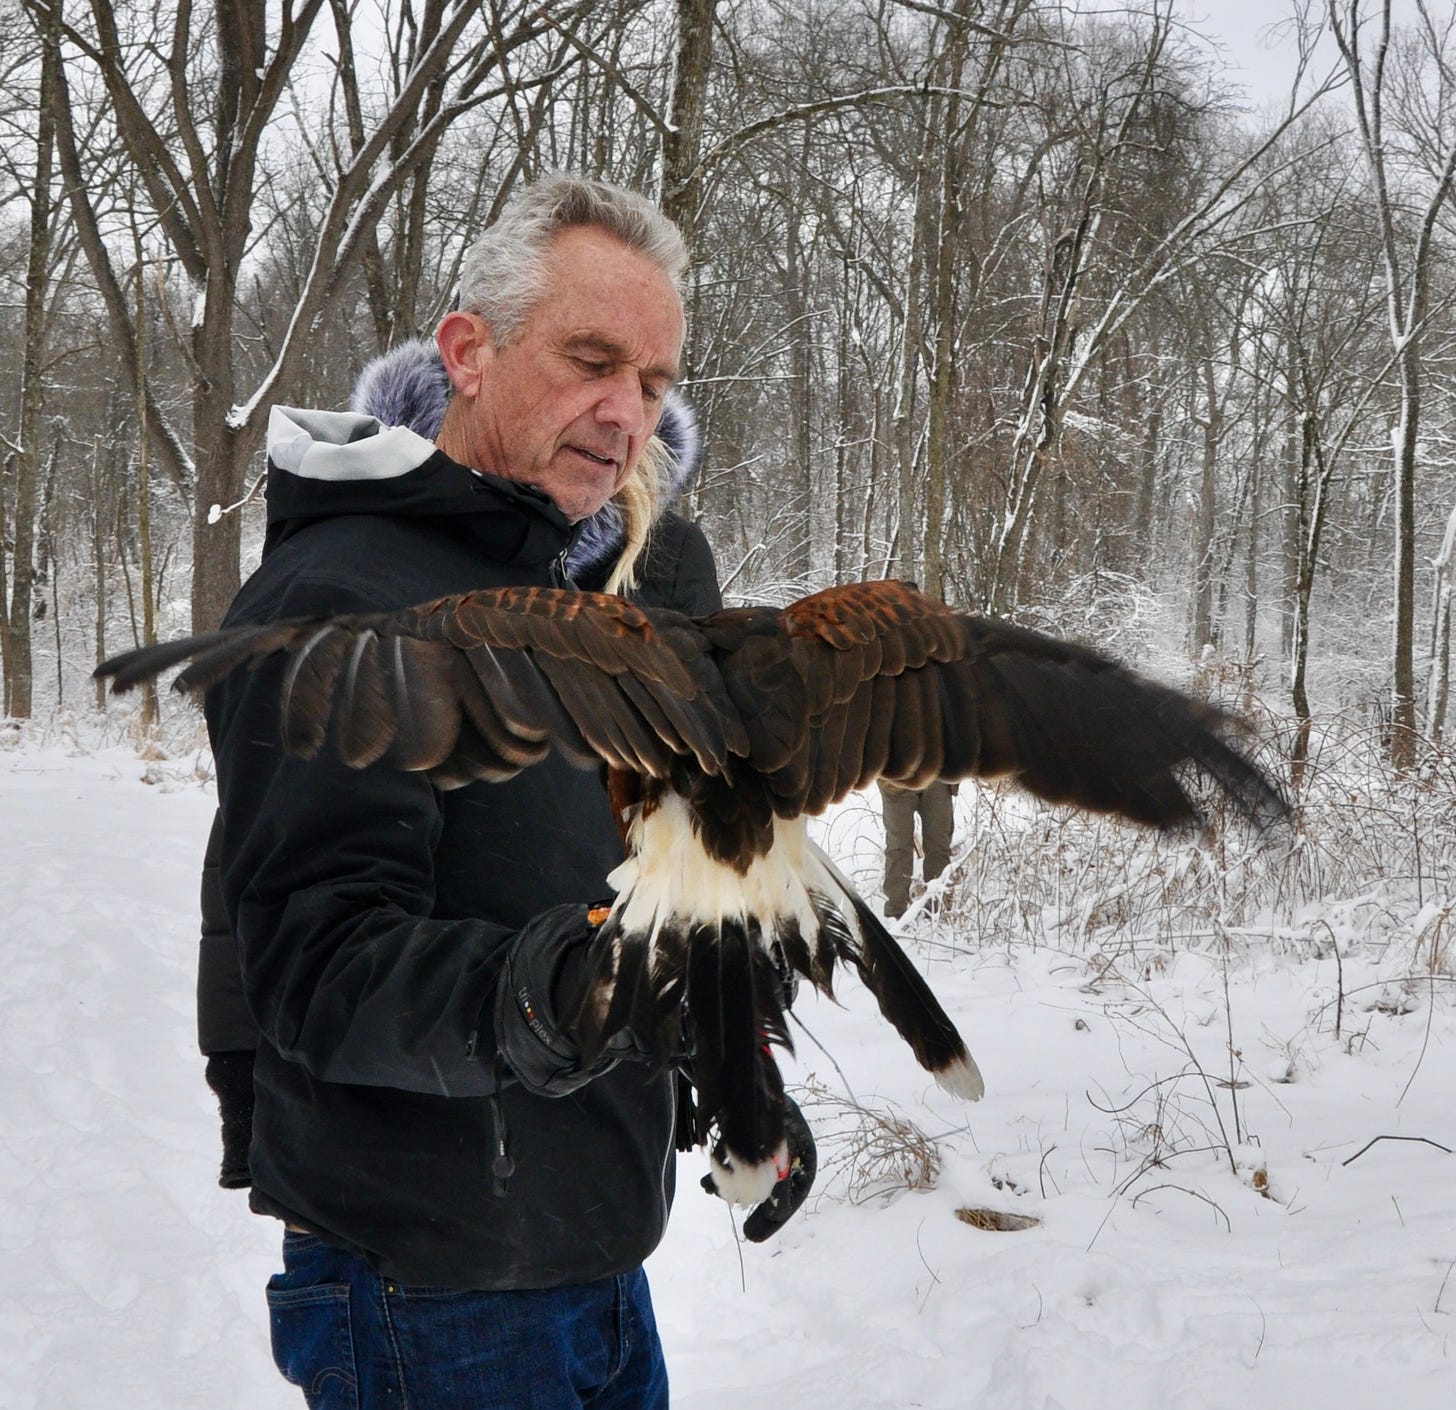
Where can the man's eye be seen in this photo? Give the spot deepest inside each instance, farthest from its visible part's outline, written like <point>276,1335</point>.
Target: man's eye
<point>591,366</point>
<point>653,394</point>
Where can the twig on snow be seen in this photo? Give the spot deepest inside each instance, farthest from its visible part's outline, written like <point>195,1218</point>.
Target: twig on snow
<point>1425,1140</point>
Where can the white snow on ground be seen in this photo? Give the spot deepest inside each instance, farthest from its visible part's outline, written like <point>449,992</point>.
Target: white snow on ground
<point>1273,1263</point>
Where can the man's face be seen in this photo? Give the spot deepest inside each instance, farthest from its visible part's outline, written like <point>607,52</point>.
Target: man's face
<point>569,404</point>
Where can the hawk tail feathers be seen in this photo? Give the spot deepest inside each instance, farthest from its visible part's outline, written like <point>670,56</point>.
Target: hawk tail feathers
<point>901,991</point>
<point>631,981</point>
<point>735,1012</point>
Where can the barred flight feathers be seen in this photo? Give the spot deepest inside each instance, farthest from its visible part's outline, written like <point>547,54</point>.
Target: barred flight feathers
<point>816,699</point>
<point>479,685</point>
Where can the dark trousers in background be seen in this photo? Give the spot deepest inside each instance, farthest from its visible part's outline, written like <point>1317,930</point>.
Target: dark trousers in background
<point>353,1339</point>
<point>935,806</point>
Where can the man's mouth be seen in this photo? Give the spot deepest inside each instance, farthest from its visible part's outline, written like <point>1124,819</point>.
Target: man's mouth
<point>607,462</point>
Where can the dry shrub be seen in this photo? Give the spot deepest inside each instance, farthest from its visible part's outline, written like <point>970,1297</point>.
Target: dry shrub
<point>874,1149</point>
<point>1434,949</point>
<point>1366,862</point>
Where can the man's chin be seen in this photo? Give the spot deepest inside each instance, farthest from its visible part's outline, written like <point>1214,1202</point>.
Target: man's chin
<point>579,507</point>
<point>580,501</point>
<point>575,502</point>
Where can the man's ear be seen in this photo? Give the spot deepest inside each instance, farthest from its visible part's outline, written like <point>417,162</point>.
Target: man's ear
<point>465,349</point>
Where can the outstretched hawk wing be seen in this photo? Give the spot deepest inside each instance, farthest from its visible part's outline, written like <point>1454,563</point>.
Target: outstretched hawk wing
<point>875,680</point>
<point>478,686</point>
<point>816,699</point>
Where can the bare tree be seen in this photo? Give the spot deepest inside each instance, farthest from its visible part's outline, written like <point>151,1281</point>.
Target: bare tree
<point>1320,318</point>
<point>1409,189</point>
<point>22,462</point>
<point>1081,312</point>
<point>199,125</point>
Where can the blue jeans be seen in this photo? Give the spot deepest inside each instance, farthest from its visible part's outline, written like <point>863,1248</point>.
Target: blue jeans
<point>353,1339</point>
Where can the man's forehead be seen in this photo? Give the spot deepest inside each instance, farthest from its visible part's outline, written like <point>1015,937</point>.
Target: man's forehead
<point>587,256</point>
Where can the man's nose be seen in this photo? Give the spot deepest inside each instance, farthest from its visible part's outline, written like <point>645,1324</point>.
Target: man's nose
<point>623,405</point>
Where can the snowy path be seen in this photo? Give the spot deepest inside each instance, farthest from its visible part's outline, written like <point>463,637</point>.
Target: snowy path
<point>135,1283</point>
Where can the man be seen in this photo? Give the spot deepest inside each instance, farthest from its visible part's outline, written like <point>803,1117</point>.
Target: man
<point>935,804</point>
<point>673,568</point>
<point>467,1208</point>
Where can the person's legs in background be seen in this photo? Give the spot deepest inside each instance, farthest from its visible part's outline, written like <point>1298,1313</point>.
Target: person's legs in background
<point>937,824</point>
<point>897,806</point>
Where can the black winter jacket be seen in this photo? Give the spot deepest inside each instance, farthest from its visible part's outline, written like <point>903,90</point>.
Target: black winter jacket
<point>408,386</point>
<point>372,912</point>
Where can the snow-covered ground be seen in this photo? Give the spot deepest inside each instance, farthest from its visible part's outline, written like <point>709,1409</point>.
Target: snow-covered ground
<point>1194,1245</point>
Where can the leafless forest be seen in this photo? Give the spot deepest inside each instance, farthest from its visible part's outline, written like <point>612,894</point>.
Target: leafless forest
<point>1013,297</point>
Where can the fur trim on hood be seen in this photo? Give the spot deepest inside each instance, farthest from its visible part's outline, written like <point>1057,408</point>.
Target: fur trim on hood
<point>408,386</point>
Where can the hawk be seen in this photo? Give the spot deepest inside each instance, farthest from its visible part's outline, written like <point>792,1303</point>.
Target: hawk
<point>721,735</point>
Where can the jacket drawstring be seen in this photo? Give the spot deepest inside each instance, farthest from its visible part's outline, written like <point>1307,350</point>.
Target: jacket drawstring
<point>502,1167</point>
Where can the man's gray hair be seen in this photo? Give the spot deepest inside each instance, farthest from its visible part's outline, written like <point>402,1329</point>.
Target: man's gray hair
<point>504,271</point>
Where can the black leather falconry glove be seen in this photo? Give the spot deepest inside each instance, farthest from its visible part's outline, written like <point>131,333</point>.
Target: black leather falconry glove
<point>542,974</point>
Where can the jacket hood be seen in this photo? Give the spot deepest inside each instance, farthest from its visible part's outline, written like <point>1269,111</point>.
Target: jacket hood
<point>327,464</point>
<point>406,390</point>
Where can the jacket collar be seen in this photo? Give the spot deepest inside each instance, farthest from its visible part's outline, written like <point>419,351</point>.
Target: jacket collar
<point>324,464</point>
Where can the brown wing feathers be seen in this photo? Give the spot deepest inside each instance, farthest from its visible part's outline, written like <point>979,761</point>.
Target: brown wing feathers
<point>877,680</point>
<point>481,685</point>
<point>818,699</point>
<point>1074,727</point>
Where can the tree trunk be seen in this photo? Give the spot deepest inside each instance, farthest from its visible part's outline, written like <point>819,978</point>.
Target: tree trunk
<point>19,665</point>
<point>682,186</point>
<point>1313,484</point>
<point>7,471</point>
<point>946,261</point>
<point>815,532</point>
<point>1403,674</point>
<point>1251,561</point>
<point>1152,446</point>
<point>1205,515</point>
<point>98,566</point>
<point>149,711</point>
<point>907,554</point>
<point>216,544</point>
<point>1439,690</point>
